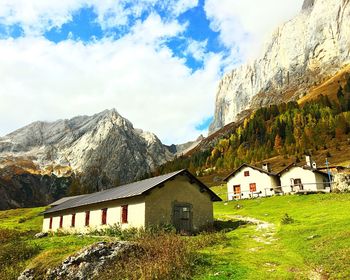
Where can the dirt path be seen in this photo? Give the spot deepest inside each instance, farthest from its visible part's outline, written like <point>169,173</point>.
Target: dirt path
<point>265,235</point>
<point>265,230</point>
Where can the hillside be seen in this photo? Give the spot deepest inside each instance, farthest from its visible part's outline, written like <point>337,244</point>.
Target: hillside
<point>279,134</point>
<point>312,242</point>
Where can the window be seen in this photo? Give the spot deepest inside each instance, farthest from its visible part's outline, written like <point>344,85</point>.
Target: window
<point>246,173</point>
<point>61,221</point>
<point>237,189</point>
<point>50,225</point>
<point>124,214</point>
<point>104,216</point>
<point>252,187</point>
<point>87,218</point>
<point>73,220</point>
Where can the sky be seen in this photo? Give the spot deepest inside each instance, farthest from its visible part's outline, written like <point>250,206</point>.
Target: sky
<point>157,62</point>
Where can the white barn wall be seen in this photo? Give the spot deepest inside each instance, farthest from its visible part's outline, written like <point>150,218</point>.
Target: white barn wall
<point>263,181</point>
<point>136,216</point>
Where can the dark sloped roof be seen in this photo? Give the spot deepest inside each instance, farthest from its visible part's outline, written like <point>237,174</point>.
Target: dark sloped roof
<point>303,167</point>
<point>251,166</point>
<point>64,199</point>
<point>126,191</point>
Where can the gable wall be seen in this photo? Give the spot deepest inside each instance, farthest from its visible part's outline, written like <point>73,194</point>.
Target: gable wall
<point>136,215</point>
<point>160,201</point>
<point>311,181</point>
<point>263,182</point>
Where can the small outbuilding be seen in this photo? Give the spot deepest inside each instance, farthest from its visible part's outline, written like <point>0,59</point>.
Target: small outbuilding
<point>298,179</point>
<point>248,181</point>
<point>177,198</point>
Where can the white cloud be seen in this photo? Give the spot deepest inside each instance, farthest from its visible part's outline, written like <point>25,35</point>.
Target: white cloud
<point>196,49</point>
<point>245,24</point>
<point>182,6</point>
<point>37,16</point>
<point>140,77</point>
<point>153,29</point>
<point>136,74</point>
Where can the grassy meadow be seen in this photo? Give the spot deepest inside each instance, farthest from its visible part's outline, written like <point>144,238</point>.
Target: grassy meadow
<point>314,243</point>
<point>311,242</point>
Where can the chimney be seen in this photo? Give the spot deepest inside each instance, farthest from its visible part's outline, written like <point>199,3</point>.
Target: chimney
<point>266,166</point>
<point>310,162</point>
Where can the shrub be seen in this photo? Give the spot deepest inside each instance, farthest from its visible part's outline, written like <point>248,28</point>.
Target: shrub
<point>133,233</point>
<point>286,219</point>
<point>166,256</point>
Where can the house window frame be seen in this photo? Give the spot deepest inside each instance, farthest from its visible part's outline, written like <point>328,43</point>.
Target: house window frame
<point>124,217</point>
<point>73,220</point>
<point>252,187</point>
<point>246,173</point>
<point>104,216</point>
<point>87,218</point>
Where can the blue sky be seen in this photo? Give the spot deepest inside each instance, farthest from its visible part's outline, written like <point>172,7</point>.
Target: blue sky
<point>157,62</point>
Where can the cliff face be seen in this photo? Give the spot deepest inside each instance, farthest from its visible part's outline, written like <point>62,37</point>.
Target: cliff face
<point>300,53</point>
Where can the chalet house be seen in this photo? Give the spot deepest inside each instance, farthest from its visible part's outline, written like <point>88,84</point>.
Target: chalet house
<point>303,179</point>
<point>248,181</point>
<point>178,198</point>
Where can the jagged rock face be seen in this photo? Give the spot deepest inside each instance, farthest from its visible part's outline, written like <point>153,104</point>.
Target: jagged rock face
<point>102,145</point>
<point>301,53</point>
<point>308,4</point>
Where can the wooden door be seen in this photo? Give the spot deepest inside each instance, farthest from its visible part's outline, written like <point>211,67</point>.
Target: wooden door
<point>237,191</point>
<point>182,217</point>
<point>298,184</point>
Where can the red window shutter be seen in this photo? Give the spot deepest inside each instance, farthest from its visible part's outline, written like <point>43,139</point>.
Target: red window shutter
<point>87,218</point>
<point>61,221</point>
<point>124,214</point>
<point>104,216</point>
<point>50,225</point>
<point>73,220</point>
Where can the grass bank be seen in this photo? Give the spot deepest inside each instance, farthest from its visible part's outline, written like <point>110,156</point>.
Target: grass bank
<point>314,243</point>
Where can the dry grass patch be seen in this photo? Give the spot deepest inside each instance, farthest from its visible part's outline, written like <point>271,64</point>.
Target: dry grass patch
<point>162,256</point>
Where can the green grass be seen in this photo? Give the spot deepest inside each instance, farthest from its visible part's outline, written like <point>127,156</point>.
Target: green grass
<point>23,219</point>
<point>318,242</point>
<point>50,251</point>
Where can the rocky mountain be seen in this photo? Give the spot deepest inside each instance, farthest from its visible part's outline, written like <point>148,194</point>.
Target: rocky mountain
<point>184,148</point>
<point>302,52</point>
<point>105,149</point>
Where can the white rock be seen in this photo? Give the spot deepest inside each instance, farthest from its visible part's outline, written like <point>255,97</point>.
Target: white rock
<point>300,53</point>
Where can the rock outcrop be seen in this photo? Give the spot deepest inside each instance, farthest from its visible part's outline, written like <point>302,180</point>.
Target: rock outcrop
<point>86,264</point>
<point>104,149</point>
<point>301,53</point>
<point>341,183</point>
